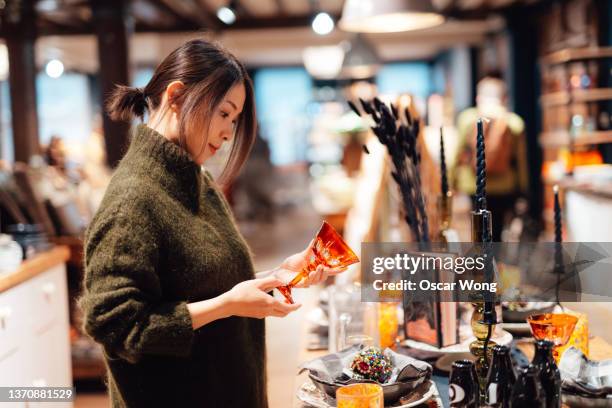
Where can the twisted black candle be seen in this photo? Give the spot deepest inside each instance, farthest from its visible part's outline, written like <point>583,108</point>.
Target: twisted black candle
<point>444,178</point>
<point>489,317</point>
<point>558,226</point>
<point>481,171</point>
<point>558,239</point>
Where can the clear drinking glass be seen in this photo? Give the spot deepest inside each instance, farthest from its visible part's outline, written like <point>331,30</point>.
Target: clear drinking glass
<point>350,319</point>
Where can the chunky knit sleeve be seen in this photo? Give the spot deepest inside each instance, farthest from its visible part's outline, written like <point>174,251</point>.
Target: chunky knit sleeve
<point>122,302</point>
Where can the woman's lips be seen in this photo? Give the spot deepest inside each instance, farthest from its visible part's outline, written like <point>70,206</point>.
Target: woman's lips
<point>212,148</point>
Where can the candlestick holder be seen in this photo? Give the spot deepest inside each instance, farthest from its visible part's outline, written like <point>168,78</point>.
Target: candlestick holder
<point>445,210</point>
<point>484,317</point>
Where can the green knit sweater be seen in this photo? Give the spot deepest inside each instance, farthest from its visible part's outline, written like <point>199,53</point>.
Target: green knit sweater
<point>163,237</point>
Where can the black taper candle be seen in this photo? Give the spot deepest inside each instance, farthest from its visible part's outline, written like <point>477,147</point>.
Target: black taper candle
<point>443,175</point>
<point>481,171</point>
<point>481,232</point>
<point>559,269</point>
<point>558,225</point>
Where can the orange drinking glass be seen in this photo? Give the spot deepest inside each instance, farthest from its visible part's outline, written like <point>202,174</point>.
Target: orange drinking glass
<point>555,327</point>
<point>329,249</point>
<point>387,324</point>
<point>363,395</point>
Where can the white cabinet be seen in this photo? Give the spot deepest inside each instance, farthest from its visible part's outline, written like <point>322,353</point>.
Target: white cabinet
<point>34,335</point>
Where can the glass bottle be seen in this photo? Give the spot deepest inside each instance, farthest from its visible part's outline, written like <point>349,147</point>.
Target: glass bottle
<point>501,378</point>
<point>527,391</point>
<point>550,377</point>
<point>463,390</point>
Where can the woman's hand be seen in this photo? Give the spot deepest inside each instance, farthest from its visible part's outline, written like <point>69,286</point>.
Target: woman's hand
<point>249,299</point>
<point>296,262</point>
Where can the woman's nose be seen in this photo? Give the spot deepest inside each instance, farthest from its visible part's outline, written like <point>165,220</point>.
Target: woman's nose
<point>227,134</point>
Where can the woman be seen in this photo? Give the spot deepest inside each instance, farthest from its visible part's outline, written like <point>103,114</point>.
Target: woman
<point>170,290</point>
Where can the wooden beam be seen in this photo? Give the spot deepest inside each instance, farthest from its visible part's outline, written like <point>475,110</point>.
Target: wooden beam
<point>148,14</point>
<point>112,27</point>
<point>19,21</point>
<point>168,11</point>
<point>280,5</point>
<point>313,6</point>
<point>276,22</point>
<point>243,11</point>
<point>194,11</point>
<point>70,20</point>
<point>185,26</point>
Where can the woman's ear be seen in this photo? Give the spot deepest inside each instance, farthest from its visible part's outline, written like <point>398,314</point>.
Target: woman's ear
<point>174,89</point>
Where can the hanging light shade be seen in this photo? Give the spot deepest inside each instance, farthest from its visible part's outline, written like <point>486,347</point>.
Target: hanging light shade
<point>388,16</point>
<point>323,62</point>
<point>4,62</point>
<point>360,59</point>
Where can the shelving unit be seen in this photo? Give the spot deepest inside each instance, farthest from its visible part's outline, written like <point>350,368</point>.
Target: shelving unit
<point>562,98</point>
<point>576,54</point>
<point>571,76</point>
<point>556,139</point>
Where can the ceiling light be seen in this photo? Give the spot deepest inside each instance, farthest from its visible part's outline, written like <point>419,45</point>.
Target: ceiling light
<point>375,16</point>
<point>322,24</point>
<point>360,59</point>
<point>227,14</point>
<point>323,62</point>
<point>54,68</point>
<point>47,5</point>
<point>4,62</point>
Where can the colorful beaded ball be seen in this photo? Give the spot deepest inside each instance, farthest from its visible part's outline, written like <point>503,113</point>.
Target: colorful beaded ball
<point>372,364</point>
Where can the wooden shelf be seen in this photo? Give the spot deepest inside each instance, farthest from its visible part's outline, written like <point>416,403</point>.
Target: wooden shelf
<point>555,99</point>
<point>591,95</point>
<point>576,96</point>
<point>599,190</point>
<point>576,54</point>
<point>568,183</point>
<point>562,138</point>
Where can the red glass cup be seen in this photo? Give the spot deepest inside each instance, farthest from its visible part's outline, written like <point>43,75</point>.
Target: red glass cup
<point>328,249</point>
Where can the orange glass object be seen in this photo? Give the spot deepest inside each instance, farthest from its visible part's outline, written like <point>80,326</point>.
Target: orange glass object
<point>387,324</point>
<point>555,327</point>
<point>329,249</point>
<point>580,336</point>
<point>360,396</point>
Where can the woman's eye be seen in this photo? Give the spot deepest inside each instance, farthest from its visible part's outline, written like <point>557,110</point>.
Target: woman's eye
<point>224,114</point>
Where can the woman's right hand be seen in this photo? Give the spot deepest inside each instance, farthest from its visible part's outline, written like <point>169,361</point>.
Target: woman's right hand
<point>250,299</point>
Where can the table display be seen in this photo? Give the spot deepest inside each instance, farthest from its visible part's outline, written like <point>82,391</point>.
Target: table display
<point>309,394</point>
<point>398,374</point>
<point>491,368</point>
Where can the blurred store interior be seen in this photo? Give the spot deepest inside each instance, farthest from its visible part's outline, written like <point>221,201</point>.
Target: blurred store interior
<point>541,69</point>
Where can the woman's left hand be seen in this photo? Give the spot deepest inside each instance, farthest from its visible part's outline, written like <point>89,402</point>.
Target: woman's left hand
<point>296,262</point>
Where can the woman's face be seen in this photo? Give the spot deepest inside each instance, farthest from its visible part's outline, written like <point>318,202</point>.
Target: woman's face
<point>202,146</point>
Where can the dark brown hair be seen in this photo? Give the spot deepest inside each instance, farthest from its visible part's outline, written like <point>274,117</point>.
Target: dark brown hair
<point>208,72</point>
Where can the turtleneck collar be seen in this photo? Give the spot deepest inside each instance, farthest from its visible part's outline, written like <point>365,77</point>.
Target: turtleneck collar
<point>167,163</point>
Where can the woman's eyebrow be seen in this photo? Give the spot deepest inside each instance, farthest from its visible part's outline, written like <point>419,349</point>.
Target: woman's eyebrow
<point>233,104</point>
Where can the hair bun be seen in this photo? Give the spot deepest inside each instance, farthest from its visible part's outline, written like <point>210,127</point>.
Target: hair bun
<point>126,102</point>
